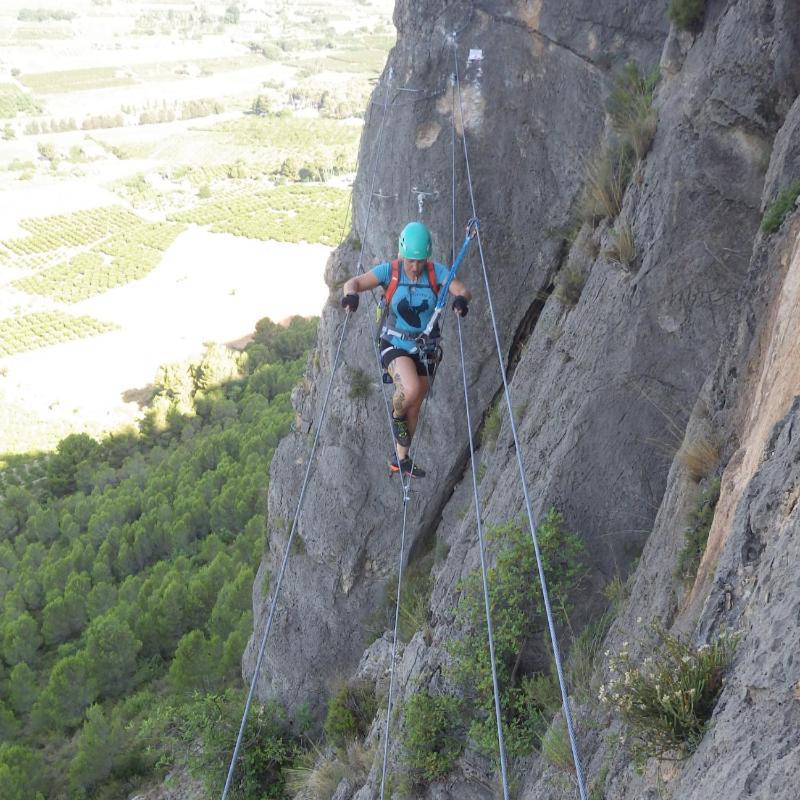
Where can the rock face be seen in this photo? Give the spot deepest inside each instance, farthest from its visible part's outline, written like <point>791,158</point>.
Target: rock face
<point>696,340</point>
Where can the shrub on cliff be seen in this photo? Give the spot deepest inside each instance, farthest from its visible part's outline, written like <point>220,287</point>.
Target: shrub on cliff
<point>519,622</point>
<point>607,176</point>
<point>350,713</point>
<point>667,700</point>
<point>686,13</point>
<point>695,536</point>
<point>780,208</point>
<point>432,735</point>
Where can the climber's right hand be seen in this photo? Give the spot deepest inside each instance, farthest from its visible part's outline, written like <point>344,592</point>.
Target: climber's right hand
<point>350,301</point>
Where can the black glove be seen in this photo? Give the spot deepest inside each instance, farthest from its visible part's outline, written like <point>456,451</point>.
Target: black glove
<point>460,305</point>
<point>350,301</point>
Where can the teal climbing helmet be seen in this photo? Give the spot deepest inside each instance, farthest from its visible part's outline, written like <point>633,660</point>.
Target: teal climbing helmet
<point>415,242</point>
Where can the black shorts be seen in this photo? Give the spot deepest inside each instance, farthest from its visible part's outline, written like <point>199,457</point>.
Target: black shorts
<point>389,353</point>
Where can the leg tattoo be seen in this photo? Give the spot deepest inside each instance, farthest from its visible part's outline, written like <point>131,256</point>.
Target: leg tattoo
<point>399,397</point>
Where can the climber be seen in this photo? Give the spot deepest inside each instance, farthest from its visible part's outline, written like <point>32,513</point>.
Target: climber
<point>411,285</point>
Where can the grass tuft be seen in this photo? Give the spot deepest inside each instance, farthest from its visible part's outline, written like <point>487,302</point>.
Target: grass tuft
<point>555,747</point>
<point>780,208</point>
<point>583,655</point>
<point>696,534</point>
<point>607,177</point>
<point>630,107</point>
<point>622,249</point>
<point>700,457</point>
<point>316,776</point>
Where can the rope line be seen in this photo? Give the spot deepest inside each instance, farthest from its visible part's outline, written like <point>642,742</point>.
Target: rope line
<point>262,647</point>
<point>479,525</point>
<point>404,483</point>
<point>531,522</point>
<point>406,486</point>
<point>278,584</point>
<point>394,644</point>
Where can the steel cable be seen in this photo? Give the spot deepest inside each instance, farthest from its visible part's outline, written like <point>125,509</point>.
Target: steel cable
<point>262,647</point>
<point>404,484</point>
<point>531,522</point>
<point>479,525</point>
<point>279,582</point>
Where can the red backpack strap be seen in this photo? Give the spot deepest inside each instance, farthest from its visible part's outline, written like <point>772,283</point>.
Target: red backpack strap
<point>393,281</point>
<point>432,278</point>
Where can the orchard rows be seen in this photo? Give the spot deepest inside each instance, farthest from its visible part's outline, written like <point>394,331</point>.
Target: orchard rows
<point>44,328</point>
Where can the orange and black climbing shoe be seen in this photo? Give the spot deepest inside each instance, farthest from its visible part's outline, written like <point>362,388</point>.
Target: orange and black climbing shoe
<point>405,467</point>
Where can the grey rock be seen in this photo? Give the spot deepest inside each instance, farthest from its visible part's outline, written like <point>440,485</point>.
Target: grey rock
<point>694,341</point>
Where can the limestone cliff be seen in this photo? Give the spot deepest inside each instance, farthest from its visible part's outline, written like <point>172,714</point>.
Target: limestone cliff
<point>698,339</point>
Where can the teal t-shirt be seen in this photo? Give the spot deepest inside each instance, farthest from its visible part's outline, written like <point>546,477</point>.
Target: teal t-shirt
<point>412,303</point>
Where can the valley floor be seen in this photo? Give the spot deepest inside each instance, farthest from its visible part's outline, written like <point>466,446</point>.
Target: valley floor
<point>209,287</point>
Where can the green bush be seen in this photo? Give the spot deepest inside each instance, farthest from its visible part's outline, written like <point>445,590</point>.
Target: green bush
<point>432,735</point>
<point>695,536</point>
<point>780,208</point>
<point>350,713</point>
<point>360,385</point>
<point>22,771</point>
<point>686,13</point>
<point>73,452</point>
<point>275,343</point>
<point>519,622</point>
<point>268,751</point>
<point>668,699</point>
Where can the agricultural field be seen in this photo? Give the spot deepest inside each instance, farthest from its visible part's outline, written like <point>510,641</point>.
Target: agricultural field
<point>141,145</point>
<point>29,331</point>
<point>290,213</point>
<point>115,260</point>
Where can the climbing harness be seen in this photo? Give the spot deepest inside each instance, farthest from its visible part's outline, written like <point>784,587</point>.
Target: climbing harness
<point>383,309</point>
<point>431,354</point>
